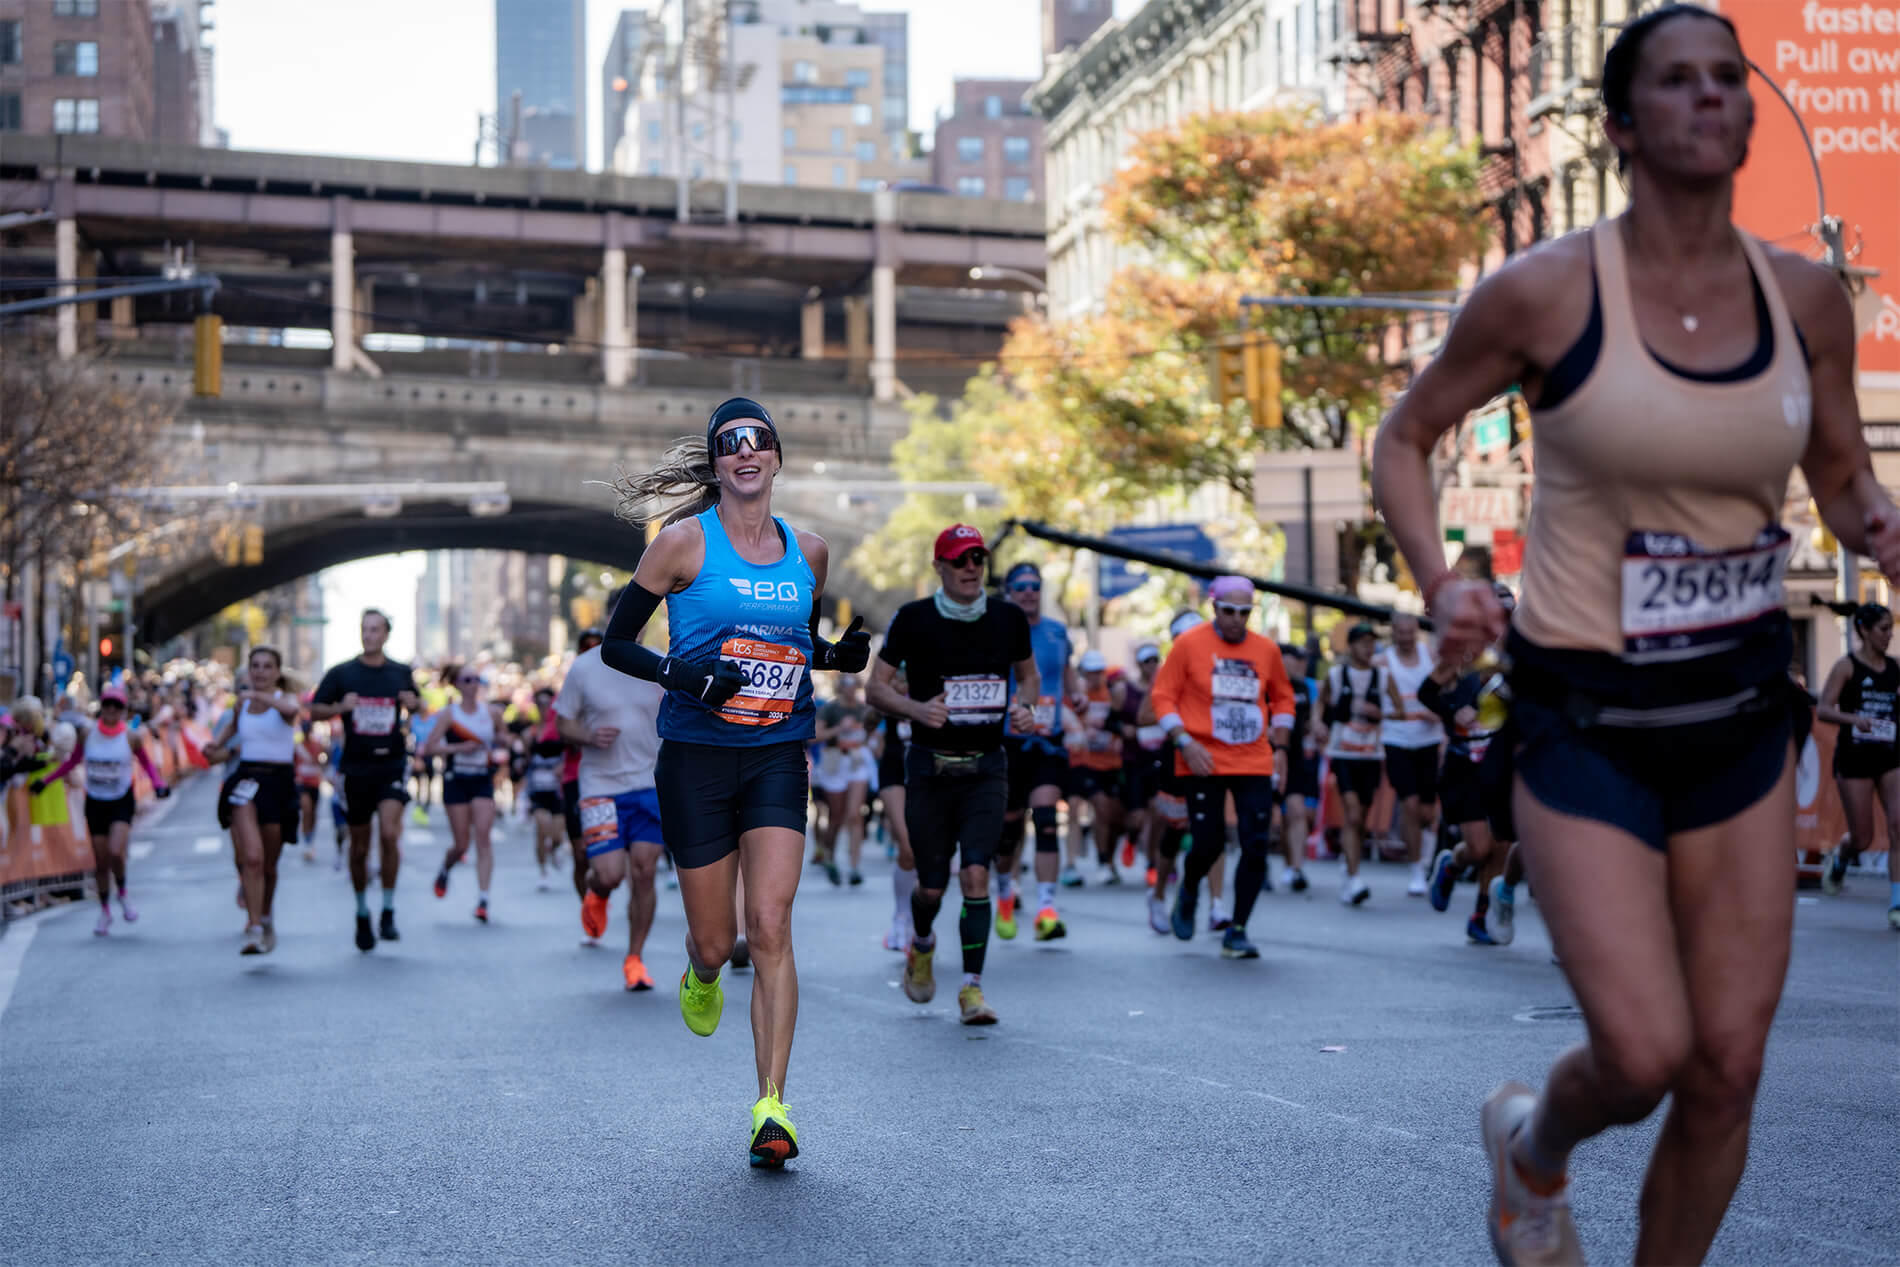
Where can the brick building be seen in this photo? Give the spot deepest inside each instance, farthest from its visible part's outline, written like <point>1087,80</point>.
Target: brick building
<point>989,146</point>
<point>77,66</point>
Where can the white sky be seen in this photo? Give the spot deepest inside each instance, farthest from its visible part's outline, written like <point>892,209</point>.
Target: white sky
<point>387,582</point>
<point>405,79</point>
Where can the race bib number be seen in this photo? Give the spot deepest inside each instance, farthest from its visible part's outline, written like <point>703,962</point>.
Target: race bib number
<point>105,779</point>
<point>1235,708</point>
<point>975,699</point>
<point>1882,731</point>
<point>600,822</point>
<point>1681,601</point>
<point>772,676</point>
<point>1171,808</point>
<point>471,763</point>
<point>243,792</point>
<point>1150,738</point>
<point>903,732</point>
<point>1357,741</point>
<point>374,717</point>
<point>1047,715</point>
<point>544,780</point>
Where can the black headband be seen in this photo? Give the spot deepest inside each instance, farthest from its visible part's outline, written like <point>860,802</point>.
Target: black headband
<point>732,411</point>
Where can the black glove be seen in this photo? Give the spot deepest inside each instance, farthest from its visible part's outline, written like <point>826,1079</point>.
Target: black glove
<point>162,792</point>
<point>847,655</point>
<point>36,786</point>
<point>711,682</point>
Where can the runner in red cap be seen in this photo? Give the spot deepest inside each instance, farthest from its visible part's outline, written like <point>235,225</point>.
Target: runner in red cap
<point>958,648</point>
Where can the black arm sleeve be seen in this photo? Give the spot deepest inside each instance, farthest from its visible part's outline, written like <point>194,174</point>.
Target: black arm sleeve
<point>621,648</point>
<point>1444,703</point>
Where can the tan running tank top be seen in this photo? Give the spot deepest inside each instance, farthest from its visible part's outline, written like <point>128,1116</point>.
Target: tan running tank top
<point>1636,460</point>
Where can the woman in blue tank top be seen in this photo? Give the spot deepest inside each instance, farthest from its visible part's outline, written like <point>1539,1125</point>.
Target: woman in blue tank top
<point>741,588</point>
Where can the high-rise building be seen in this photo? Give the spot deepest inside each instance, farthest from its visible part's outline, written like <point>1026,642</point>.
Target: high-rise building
<point>1067,23</point>
<point>989,146</point>
<point>77,66</point>
<point>540,53</point>
<point>620,78</point>
<point>182,73</point>
<point>802,92</point>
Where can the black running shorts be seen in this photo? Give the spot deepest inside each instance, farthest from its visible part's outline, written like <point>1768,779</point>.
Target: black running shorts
<point>711,795</point>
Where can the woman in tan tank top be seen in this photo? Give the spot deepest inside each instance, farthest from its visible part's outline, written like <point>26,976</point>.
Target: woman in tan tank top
<point>1678,370</point>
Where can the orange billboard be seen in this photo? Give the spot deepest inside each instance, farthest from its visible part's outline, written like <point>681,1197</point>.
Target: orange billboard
<point>1838,62</point>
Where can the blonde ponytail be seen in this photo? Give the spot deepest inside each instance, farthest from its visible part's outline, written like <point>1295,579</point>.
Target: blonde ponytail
<point>680,485</point>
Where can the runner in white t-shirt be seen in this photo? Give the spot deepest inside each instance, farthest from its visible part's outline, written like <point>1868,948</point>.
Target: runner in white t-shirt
<point>615,721</point>
<point>1412,737</point>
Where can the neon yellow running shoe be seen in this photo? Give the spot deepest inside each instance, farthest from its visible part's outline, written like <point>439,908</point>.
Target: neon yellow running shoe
<point>701,1002</point>
<point>1006,917</point>
<point>774,1138</point>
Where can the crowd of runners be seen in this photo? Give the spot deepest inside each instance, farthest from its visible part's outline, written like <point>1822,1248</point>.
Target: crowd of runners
<point>1619,734</point>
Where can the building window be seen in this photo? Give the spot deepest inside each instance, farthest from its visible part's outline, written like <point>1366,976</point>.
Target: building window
<point>804,72</point>
<point>653,167</point>
<point>791,173</point>
<point>866,185</point>
<point>838,175</point>
<point>9,112</point>
<point>1016,189</point>
<point>837,140</point>
<point>76,114</point>
<point>699,130</point>
<point>791,138</point>
<point>992,107</point>
<point>969,186</point>
<point>1016,149</point>
<point>862,115</point>
<point>735,131</point>
<point>75,8</point>
<point>969,149</point>
<point>9,43</point>
<point>857,78</point>
<point>653,131</point>
<point>76,57</point>
<point>867,151</point>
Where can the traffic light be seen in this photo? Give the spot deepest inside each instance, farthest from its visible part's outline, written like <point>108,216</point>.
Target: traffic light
<point>253,544</point>
<point>230,546</point>
<point>1247,367</point>
<point>207,356</point>
<point>105,647</point>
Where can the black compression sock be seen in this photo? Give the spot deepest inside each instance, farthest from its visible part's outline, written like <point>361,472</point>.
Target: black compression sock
<point>973,926</point>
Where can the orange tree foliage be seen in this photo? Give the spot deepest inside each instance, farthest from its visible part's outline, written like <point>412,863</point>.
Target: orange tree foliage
<point>1081,420</point>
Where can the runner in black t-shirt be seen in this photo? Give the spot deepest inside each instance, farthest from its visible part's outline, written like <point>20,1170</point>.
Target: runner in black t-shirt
<point>371,694</point>
<point>958,649</point>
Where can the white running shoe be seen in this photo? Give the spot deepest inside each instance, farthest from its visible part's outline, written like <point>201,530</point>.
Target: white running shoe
<point>1354,891</point>
<point>1528,1228</point>
<point>1500,918</point>
<point>898,936</point>
<point>104,925</point>
<point>127,909</point>
<point>1158,915</point>
<point>1417,886</point>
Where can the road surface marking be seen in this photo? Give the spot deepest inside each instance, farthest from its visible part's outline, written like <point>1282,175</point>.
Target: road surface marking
<point>207,844</point>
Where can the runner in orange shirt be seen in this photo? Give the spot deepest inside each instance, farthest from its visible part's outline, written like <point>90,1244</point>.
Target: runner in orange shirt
<point>1224,699</point>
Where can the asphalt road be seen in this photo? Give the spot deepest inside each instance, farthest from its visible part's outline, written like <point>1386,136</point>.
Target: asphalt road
<point>491,1093</point>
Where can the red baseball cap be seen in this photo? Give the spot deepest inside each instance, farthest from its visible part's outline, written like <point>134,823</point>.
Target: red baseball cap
<point>958,540</point>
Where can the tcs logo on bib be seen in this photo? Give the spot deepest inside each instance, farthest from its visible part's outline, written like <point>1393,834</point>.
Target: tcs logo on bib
<point>766,591</point>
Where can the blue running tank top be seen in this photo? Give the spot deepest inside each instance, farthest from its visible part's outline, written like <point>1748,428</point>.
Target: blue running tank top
<point>759,617</point>
<point>1049,639</point>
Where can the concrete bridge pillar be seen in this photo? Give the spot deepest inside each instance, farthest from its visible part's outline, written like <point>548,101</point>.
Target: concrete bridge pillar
<point>857,335</point>
<point>811,330</point>
<point>884,297</point>
<point>342,287</point>
<point>65,266</point>
<point>614,358</point>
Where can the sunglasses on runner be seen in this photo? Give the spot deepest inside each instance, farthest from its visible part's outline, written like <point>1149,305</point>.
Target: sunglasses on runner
<point>1234,609</point>
<point>1026,587</point>
<point>469,679</point>
<point>104,704</point>
<point>970,558</point>
<point>758,435</point>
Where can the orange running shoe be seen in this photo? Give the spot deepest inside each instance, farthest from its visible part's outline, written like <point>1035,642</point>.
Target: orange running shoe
<point>1151,877</point>
<point>594,914</point>
<point>636,973</point>
<point>1128,851</point>
<point>1006,917</point>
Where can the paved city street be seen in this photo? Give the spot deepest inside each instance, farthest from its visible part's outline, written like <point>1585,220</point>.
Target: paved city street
<point>493,1094</point>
